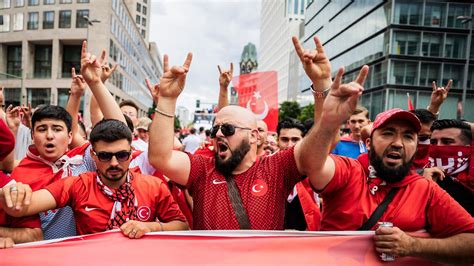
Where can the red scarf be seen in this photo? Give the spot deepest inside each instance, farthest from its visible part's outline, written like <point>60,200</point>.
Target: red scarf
<point>421,158</point>
<point>455,162</point>
<point>121,213</point>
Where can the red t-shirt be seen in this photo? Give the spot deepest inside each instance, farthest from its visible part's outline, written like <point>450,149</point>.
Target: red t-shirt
<point>7,140</point>
<point>92,208</point>
<point>263,188</point>
<point>350,198</point>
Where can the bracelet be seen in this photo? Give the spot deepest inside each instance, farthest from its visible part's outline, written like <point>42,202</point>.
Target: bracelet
<point>437,114</point>
<point>163,113</point>
<point>320,94</point>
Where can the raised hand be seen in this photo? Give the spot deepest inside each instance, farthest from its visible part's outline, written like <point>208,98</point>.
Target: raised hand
<point>154,90</point>
<point>13,117</point>
<point>91,67</point>
<point>78,84</point>
<point>173,80</point>
<point>438,96</point>
<point>225,77</point>
<point>107,71</point>
<point>342,99</point>
<point>315,63</point>
<point>26,114</point>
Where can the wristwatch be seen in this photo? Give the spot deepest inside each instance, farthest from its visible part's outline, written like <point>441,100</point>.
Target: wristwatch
<point>320,94</point>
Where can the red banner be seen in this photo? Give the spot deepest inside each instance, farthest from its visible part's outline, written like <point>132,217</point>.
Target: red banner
<point>259,93</point>
<point>209,248</point>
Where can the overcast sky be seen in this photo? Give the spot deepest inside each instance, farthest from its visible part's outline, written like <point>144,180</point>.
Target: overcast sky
<point>215,31</point>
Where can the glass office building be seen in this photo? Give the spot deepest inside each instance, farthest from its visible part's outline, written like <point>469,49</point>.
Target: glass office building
<point>407,44</point>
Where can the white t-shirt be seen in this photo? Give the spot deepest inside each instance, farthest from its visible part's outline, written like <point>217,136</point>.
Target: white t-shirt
<point>191,143</point>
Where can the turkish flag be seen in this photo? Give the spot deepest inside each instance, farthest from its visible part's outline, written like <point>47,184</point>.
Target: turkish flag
<point>258,92</point>
<point>409,102</point>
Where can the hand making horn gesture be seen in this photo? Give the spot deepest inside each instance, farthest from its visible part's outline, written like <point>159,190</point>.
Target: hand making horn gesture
<point>342,99</point>
<point>438,95</point>
<point>225,77</point>
<point>78,84</point>
<point>315,64</point>
<point>107,71</point>
<point>173,80</point>
<point>91,67</point>
<point>154,90</point>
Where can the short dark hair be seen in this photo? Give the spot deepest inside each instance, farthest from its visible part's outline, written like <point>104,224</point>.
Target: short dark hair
<point>129,103</point>
<point>466,133</point>
<point>129,122</point>
<point>52,112</point>
<point>201,129</point>
<point>291,123</point>
<point>192,131</point>
<point>424,115</point>
<point>110,130</point>
<point>361,109</point>
<point>207,132</point>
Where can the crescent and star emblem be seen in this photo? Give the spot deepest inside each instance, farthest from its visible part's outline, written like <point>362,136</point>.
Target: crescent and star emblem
<point>266,109</point>
<point>259,188</point>
<point>144,213</point>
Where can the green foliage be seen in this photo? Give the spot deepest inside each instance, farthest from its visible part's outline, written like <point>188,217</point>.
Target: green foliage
<point>289,109</point>
<point>307,112</point>
<point>177,124</point>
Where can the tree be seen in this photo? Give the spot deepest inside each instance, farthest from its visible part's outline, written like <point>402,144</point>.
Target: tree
<point>289,109</point>
<point>307,112</point>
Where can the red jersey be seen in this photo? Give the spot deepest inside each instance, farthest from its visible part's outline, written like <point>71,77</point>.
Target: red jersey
<point>92,209</point>
<point>263,188</point>
<point>7,140</point>
<point>351,197</point>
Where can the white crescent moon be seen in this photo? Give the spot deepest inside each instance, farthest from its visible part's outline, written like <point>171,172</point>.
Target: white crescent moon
<point>255,189</point>
<point>263,114</point>
<point>140,213</point>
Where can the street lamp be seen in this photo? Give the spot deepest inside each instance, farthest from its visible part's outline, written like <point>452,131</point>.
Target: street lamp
<point>465,20</point>
<point>90,22</point>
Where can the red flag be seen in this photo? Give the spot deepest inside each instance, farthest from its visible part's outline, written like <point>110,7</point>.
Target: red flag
<point>258,92</point>
<point>410,104</point>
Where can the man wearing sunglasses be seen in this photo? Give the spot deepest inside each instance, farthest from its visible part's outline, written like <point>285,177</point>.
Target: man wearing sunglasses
<point>235,189</point>
<point>113,197</point>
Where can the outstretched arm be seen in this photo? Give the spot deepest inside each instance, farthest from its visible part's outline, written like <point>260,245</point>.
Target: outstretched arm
<point>19,235</point>
<point>18,200</point>
<point>438,96</point>
<point>337,108</point>
<point>96,113</point>
<point>78,86</point>
<point>91,70</point>
<point>225,77</point>
<point>173,164</point>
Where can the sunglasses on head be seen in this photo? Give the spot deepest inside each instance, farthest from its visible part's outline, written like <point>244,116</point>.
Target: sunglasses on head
<point>226,129</point>
<point>121,156</point>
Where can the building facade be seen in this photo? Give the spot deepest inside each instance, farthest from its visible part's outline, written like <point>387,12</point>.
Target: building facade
<point>40,41</point>
<point>408,44</point>
<point>280,19</point>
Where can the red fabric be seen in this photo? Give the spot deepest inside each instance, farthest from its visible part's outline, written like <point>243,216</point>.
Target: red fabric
<point>398,114</point>
<point>92,208</point>
<point>205,151</point>
<point>205,250</point>
<point>422,155</point>
<point>311,211</point>
<point>409,103</point>
<point>38,173</point>
<point>4,179</point>
<point>259,93</point>
<point>264,188</point>
<point>7,140</point>
<point>419,204</point>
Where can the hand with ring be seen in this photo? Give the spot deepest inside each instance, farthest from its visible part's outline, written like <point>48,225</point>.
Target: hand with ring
<point>135,229</point>
<point>15,196</point>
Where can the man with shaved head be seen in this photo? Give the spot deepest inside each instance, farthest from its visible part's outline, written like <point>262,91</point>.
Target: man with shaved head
<point>235,189</point>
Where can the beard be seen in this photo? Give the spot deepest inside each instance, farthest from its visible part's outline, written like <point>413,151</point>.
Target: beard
<point>227,166</point>
<point>389,174</point>
<point>112,178</point>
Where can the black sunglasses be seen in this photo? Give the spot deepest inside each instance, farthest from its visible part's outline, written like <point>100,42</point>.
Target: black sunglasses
<point>121,156</point>
<point>226,129</point>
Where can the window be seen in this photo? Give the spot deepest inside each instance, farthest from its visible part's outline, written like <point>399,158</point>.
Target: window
<point>145,1</point>
<point>38,96</point>
<point>18,21</point>
<point>81,22</point>
<point>48,19</point>
<point>65,1</point>
<point>139,7</point>
<point>33,18</point>
<point>435,14</point>
<point>19,3</point>
<point>83,1</point>
<point>143,34</point>
<point>429,72</point>
<point>454,72</point>
<point>14,60</point>
<point>12,96</point>
<point>431,45</point>
<point>43,61</point>
<point>71,58</point>
<point>456,10</point>
<point>404,73</point>
<point>455,46</point>
<point>408,13</point>
<point>4,4</point>
<point>33,2</point>
<point>406,43</point>
<point>65,18</point>
<point>4,23</point>
<point>49,2</point>
<point>138,19</point>
<point>144,22</point>
<point>144,10</point>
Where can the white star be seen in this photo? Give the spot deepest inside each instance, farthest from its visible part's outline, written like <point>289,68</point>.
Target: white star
<point>257,95</point>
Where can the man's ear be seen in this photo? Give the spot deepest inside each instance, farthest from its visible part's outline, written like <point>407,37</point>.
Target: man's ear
<point>69,138</point>
<point>367,143</point>
<point>253,136</point>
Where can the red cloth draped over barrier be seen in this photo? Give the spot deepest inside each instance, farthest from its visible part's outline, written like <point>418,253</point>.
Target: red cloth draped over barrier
<point>209,248</point>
